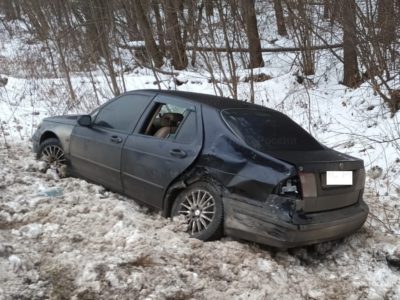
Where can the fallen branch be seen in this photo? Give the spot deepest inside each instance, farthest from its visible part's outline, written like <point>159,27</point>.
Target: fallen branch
<point>271,50</point>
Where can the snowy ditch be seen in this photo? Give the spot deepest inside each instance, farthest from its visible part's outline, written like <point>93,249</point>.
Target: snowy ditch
<point>66,238</point>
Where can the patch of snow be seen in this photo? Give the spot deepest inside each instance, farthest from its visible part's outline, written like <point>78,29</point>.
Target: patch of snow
<point>32,231</point>
<point>15,262</point>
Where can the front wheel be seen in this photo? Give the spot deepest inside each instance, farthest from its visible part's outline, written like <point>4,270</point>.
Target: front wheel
<point>202,206</point>
<point>52,153</point>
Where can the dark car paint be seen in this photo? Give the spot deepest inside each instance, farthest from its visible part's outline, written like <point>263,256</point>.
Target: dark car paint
<point>151,164</point>
<point>95,156</point>
<point>246,177</point>
<point>96,152</point>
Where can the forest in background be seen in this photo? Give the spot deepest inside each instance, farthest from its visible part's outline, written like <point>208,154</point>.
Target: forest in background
<point>218,35</point>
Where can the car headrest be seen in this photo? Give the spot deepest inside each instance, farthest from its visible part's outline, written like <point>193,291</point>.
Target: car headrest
<point>168,120</point>
<point>174,118</point>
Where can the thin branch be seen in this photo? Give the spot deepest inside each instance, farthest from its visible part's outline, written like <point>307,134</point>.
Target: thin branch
<point>366,137</point>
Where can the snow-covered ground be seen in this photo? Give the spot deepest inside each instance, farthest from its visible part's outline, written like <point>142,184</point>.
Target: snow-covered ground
<point>68,238</point>
<point>62,238</point>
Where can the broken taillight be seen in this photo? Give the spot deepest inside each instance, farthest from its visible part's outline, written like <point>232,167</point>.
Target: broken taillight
<point>289,188</point>
<point>308,185</point>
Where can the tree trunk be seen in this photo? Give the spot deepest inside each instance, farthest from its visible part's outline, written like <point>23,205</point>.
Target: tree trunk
<point>209,7</point>
<point>280,19</point>
<point>302,28</point>
<point>37,19</point>
<point>387,21</point>
<point>197,33</point>
<point>327,9</point>
<point>132,26</point>
<point>147,34</point>
<point>10,9</point>
<point>177,48</point>
<point>249,11</point>
<point>159,23</point>
<point>350,72</point>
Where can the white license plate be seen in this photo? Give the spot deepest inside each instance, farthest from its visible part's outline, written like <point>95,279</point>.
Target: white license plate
<point>339,177</point>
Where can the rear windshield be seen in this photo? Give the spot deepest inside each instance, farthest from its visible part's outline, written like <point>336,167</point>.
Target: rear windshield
<point>268,130</point>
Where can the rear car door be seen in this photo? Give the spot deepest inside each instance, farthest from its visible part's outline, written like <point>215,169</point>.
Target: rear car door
<point>96,149</point>
<point>166,142</point>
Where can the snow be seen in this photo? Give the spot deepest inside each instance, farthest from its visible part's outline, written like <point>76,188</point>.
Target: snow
<point>64,237</point>
<point>32,231</point>
<point>98,243</point>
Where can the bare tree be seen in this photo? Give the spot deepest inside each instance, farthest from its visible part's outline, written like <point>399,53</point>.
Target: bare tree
<point>280,18</point>
<point>351,76</point>
<point>302,28</point>
<point>11,9</point>
<point>147,34</point>
<point>176,48</point>
<point>253,37</point>
<point>377,51</point>
<point>100,20</point>
<point>196,31</point>
<point>209,7</point>
<point>155,4</point>
<point>128,9</point>
<point>93,35</point>
<point>387,21</point>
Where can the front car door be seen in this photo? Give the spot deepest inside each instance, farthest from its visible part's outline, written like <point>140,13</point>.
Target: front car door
<point>167,141</point>
<point>96,150</point>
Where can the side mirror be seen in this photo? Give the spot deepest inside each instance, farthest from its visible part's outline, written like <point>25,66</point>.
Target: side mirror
<point>85,120</point>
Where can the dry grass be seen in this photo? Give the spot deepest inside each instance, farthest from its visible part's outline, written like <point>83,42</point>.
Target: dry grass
<point>144,261</point>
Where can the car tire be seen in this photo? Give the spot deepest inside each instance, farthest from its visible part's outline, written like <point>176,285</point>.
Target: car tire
<point>52,153</point>
<point>201,204</point>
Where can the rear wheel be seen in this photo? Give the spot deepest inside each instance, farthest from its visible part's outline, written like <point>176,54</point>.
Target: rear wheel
<point>52,153</point>
<point>201,205</point>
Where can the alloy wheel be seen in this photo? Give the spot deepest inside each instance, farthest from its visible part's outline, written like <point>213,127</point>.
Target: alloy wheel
<point>54,156</point>
<point>199,209</point>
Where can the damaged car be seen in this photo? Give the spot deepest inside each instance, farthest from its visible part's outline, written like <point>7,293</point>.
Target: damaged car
<point>229,167</point>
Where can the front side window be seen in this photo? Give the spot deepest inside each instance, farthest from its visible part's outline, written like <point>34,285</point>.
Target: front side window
<point>172,122</point>
<point>268,130</point>
<point>123,113</point>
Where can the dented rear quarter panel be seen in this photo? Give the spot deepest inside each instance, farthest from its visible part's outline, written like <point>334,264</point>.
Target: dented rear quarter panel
<point>245,172</point>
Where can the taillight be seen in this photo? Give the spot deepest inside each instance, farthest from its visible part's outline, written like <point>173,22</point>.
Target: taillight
<point>289,188</point>
<point>308,185</point>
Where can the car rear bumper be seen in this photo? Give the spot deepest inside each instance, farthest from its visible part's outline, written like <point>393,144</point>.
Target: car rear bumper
<point>254,223</point>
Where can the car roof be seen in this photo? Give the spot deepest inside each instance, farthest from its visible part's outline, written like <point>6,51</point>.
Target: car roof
<point>216,102</point>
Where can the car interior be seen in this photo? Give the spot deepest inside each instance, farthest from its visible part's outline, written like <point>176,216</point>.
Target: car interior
<point>164,123</point>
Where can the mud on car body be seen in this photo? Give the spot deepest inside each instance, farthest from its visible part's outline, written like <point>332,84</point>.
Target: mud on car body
<point>229,167</point>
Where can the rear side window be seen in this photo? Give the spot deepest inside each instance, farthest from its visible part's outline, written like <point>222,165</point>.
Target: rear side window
<point>123,113</point>
<point>268,130</point>
<point>187,132</point>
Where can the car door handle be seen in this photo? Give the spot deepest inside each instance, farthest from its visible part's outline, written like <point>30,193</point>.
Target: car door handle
<point>116,139</point>
<point>178,153</point>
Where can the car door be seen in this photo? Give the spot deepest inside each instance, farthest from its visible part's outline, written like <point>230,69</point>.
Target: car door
<point>150,161</point>
<point>96,150</point>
